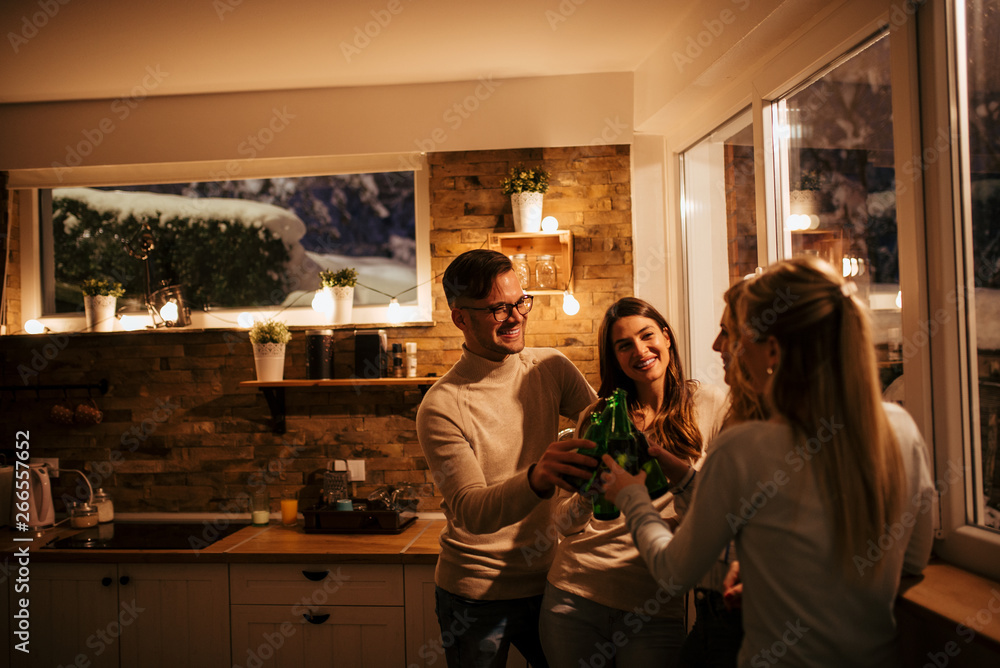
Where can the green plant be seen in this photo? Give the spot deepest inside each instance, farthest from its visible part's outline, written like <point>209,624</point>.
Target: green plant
<point>270,331</point>
<point>809,180</point>
<point>347,278</point>
<point>521,179</point>
<point>102,286</point>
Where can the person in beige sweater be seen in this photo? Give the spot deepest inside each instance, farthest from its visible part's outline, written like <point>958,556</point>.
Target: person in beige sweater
<point>488,429</point>
<point>602,606</point>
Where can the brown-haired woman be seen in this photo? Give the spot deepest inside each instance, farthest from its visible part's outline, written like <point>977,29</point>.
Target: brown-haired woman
<point>601,605</point>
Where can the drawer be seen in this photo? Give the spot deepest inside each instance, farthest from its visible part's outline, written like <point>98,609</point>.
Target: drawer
<point>313,585</point>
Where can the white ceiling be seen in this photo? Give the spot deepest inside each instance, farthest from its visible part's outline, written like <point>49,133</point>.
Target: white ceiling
<point>108,49</point>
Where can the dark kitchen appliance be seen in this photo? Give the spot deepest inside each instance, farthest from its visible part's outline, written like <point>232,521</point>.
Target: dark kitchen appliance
<point>369,353</point>
<point>148,536</point>
<point>365,518</point>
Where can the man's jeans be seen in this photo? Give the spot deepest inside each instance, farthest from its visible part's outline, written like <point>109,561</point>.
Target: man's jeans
<point>478,634</point>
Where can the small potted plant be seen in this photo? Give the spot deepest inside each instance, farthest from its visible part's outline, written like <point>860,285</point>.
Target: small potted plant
<point>808,198</point>
<point>338,288</point>
<point>100,296</point>
<point>526,187</point>
<point>269,338</point>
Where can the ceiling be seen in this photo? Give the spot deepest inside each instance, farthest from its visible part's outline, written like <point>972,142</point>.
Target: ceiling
<point>119,48</point>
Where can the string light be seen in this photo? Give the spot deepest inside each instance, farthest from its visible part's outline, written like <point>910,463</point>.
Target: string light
<point>570,304</point>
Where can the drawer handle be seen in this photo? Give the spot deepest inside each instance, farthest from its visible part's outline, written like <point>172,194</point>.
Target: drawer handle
<point>315,619</point>
<point>315,576</point>
<point>123,580</point>
<point>106,581</point>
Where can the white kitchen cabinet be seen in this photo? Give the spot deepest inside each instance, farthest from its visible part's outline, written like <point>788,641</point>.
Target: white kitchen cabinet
<point>128,615</point>
<point>317,615</point>
<point>423,632</point>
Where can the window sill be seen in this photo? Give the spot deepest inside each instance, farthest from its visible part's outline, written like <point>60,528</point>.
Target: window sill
<point>948,612</point>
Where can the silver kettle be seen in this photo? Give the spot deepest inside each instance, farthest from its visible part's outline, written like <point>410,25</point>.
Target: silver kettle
<point>32,498</point>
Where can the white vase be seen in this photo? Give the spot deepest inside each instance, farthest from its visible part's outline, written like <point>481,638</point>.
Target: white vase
<point>527,208</point>
<point>342,299</point>
<point>99,311</point>
<point>269,360</point>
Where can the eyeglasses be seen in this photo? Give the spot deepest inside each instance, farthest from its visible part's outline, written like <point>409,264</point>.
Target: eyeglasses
<point>502,311</point>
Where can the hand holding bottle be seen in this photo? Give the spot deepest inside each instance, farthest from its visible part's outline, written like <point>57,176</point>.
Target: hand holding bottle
<point>559,462</point>
<point>615,479</point>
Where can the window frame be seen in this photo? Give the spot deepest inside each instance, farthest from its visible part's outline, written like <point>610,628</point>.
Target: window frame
<point>25,186</point>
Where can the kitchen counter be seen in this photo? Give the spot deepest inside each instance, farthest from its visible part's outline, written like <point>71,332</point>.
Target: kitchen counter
<point>417,544</point>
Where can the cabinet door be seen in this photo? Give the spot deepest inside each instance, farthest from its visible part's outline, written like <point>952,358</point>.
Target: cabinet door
<point>174,615</point>
<point>74,616</point>
<point>281,636</point>
<point>317,584</point>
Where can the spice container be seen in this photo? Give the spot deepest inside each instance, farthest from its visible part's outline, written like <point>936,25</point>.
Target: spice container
<point>411,359</point>
<point>83,516</point>
<point>520,262</point>
<point>105,507</point>
<point>545,272</point>
<point>397,360</point>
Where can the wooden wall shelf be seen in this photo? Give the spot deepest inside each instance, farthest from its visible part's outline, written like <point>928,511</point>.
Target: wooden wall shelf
<point>558,244</point>
<point>274,391</point>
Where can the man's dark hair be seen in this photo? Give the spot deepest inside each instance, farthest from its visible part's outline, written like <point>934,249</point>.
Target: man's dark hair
<point>471,274</point>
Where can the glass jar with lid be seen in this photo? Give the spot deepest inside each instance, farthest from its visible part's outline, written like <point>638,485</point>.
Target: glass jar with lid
<point>83,516</point>
<point>520,262</point>
<point>104,505</point>
<point>545,272</point>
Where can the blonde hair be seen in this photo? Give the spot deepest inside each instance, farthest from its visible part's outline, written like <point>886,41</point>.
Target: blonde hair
<point>826,385</point>
<point>744,402</point>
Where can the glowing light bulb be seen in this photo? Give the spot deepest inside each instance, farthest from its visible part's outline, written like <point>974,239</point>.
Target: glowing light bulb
<point>322,302</point>
<point>550,224</point>
<point>131,323</point>
<point>34,327</point>
<point>899,299</point>
<point>169,311</point>
<point>245,319</point>
<point>570,304</point>
<point>847,267</point>
<point>395,312</point>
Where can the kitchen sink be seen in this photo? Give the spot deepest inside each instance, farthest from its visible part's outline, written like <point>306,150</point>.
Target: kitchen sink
<point>149,535</point>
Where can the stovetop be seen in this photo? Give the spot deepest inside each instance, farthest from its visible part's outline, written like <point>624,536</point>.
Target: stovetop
<point>148,536</point>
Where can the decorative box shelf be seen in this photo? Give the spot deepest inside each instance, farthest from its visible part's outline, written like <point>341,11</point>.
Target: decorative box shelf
<point>274,391</point>
<point>557,244</point>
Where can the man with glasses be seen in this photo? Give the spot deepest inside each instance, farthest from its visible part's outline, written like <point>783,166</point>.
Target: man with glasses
<point>488,429</point>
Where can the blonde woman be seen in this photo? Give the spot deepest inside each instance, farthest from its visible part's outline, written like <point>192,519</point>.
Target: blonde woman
<point>827,500</point>
<point>601,605</point>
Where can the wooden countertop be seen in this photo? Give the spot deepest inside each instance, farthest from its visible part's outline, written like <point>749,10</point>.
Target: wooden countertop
<point>417,544</point>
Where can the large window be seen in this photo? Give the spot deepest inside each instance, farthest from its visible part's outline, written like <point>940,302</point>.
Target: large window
<point>254,245</point>
<point>836,186</point>
<point>979,121</point>
<point>720,231</point>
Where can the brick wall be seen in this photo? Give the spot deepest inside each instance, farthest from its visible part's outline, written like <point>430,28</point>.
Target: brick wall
<point>180,434</point>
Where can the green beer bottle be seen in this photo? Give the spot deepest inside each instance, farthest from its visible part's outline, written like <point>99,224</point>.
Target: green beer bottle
<point>595,433</point>
<point>604,509</point>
